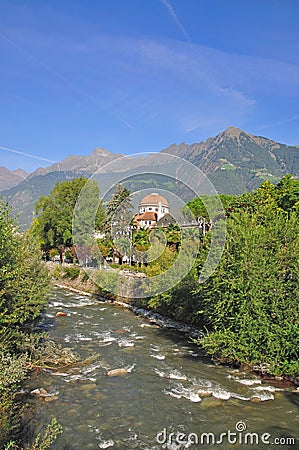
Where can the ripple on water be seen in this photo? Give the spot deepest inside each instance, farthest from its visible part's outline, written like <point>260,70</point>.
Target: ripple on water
<point>245,381</point>
<point>267,388</point>
<point>136,336</point>
<point>125,343</point>
<point>179,391</point>
<point>205,388</point>
<point>77,338</point>
<point>157,356</point>
<point>106,444</point>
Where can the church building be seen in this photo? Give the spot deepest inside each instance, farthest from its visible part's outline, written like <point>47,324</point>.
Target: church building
<point>151,210</point>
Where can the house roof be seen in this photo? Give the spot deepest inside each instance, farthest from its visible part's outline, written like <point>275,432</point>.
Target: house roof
<point>153,200</point>
<point>167,219</point>
<point>149,215</point>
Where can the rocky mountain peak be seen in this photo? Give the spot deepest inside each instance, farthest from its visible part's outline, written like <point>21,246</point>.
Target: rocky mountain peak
<point>9,179</point>
<point>20,173</point>
<point>233,132</point>
<point>100,152</point>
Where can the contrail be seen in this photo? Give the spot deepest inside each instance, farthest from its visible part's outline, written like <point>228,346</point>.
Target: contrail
<point>12,150</point>
<point>175,18</point>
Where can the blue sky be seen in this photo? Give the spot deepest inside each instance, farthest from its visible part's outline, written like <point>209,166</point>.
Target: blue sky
<point>138,75</point>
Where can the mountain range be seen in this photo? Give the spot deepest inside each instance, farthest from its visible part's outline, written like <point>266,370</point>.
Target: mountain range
<point>11,178</point>
<point>234,161</point>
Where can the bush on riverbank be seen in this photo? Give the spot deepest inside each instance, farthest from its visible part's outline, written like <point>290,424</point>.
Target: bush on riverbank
<point>251,301</point>
<point>69,272</point>
<point>249,306</point>
<point>24,283</point>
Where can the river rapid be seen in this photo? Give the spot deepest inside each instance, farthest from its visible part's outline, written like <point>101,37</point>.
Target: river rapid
<point>168,399</point>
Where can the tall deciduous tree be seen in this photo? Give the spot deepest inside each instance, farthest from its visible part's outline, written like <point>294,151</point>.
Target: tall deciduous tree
<point>251,301</point>
<point>288,193</point>
<point>23,277</point>
<point>118,221</point>
<point>55,212</point>
<point>119,208</point>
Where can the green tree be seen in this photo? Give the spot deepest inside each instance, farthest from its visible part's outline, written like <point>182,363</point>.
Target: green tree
<point>117,223</point>
<point>23,278</point>
<point>284,196</point>
<point>288,193</point>
<point>141,244</point>
<point>118,209</point>
<point>201,206</point>
<point>24,284</point>
<point>54,222</point>
<point>173,236</point>
<point>251,306</point>
<point>141,239</point>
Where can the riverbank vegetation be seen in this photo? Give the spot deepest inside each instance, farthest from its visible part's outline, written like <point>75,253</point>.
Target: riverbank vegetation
<point>24,284</point>
<point>249,306</point>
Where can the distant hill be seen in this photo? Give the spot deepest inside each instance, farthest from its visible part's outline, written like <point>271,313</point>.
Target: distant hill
<point>24,195</point>
<point>9,179</point>
<point>80,164</point>
<point>235,162</point>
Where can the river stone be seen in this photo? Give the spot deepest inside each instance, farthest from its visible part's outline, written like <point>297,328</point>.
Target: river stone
<point>248,408</point>
<point>51,398</point>
<point>128,349</point>
<point>73,412</point>
<point>40,392</point>
<point>203,393</point>
<point>211,402</point>
<point>88,387</point>
<point>116,372</point>
<point>98,396</point>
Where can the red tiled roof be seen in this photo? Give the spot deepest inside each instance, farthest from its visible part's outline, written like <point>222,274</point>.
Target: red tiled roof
<point>148,216</point>
<point>154,199</point>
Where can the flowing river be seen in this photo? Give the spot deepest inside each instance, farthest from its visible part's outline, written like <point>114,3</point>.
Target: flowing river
<point>168,388</point>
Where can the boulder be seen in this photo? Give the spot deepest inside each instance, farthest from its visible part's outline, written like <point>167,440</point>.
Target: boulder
<point>51,398</point>
<point>211,402</point>
<point>40,392</point>
<point>116,372</point>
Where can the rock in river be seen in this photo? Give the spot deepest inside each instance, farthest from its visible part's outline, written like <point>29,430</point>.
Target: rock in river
<point>61,314</point>
<point>41,392</point>
<point>116,372</point>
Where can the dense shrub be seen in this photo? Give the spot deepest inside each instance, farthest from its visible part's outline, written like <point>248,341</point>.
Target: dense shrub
<point>251,301</point>
<point>71,272</point>
<point>24,284</point>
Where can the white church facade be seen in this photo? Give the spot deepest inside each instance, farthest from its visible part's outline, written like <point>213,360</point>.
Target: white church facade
<point>151,210</point>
